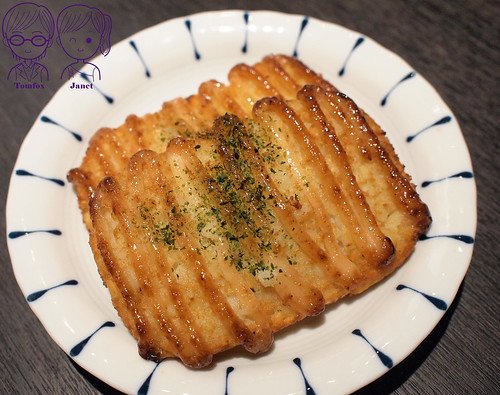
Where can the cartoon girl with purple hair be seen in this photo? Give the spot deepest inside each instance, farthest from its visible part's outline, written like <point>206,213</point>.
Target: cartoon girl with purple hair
<point>27,30</point>
<point>82,32</point>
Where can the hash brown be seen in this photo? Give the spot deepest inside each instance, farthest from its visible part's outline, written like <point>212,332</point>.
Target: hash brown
<point>212,237</point>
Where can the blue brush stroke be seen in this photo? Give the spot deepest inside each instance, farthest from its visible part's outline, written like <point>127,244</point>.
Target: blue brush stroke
<point>79,347</point>
<point>229,370</point>
<point>358,42</point>
<point>109,99</point>
<point>385,359</point>
<point>441,121</point>
<point>463,238</point>
<point>143,390</point>
<point>22,172</point>
<point>309,389</point>
<point>463,174</point>
<point>46,119</point>
<point>197,55</point>
<point>146,69</point>
<point>38,294</point>
<point>16,234</point>
<point>303,25</point>
<point>244,48</point>
<point>438,303</point>
<point>411,74</point>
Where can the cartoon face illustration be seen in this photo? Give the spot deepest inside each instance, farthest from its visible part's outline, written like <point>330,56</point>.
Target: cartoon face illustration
<point>27,30</point>
<point>82,31</point>
<point>82,43</point>
<point>29,43</point>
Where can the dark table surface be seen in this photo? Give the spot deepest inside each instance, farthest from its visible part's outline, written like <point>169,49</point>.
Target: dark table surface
<point>454,45</point>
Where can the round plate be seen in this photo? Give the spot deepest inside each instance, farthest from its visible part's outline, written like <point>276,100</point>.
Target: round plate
<point>354,341</point>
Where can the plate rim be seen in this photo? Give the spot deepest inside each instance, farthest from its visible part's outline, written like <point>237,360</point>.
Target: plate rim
<point>215,14</point>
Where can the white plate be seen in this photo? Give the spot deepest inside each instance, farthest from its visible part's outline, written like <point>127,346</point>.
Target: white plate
<point>356,340</point>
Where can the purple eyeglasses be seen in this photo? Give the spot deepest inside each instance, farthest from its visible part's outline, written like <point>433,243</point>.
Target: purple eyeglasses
<point>37,41</point>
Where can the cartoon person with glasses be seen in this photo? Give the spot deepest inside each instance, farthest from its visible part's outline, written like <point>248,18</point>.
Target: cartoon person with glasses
<point>27,30</point>
<point>82,32</point>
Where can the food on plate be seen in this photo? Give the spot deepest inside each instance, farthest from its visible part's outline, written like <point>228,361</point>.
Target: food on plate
<point>241,210</point>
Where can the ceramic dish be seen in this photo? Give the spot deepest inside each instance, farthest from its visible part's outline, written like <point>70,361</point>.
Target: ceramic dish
<point>356,340</point>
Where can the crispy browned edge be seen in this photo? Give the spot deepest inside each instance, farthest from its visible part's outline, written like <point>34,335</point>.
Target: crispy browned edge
<point>302,74</point>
